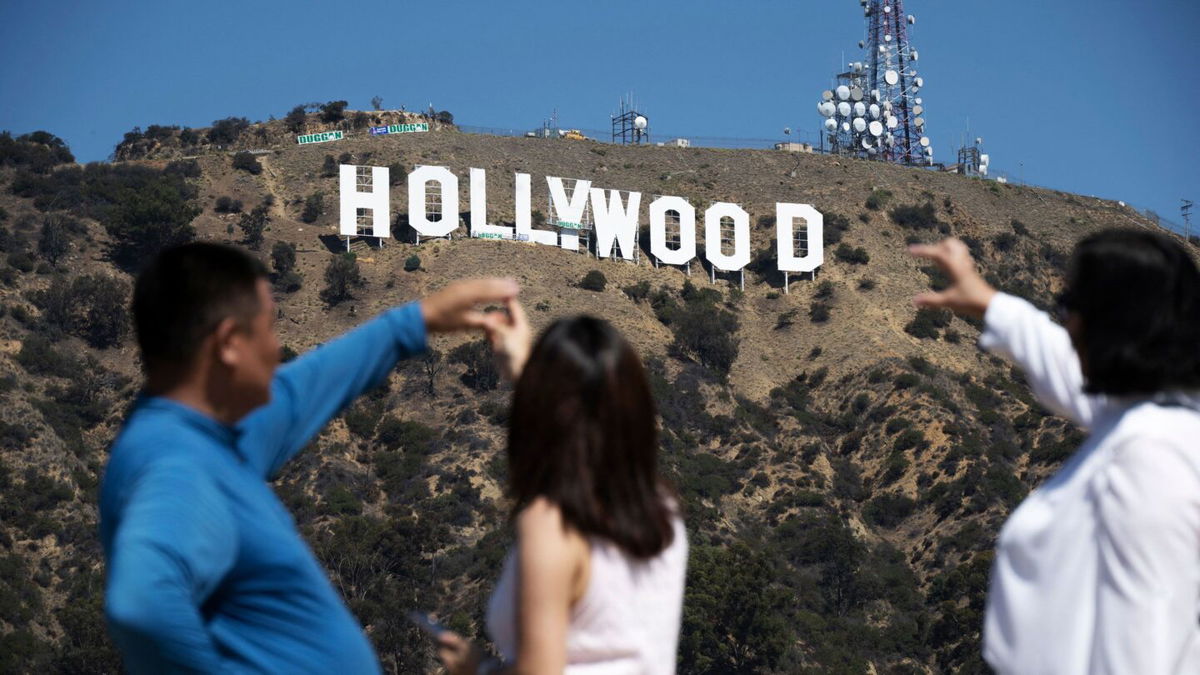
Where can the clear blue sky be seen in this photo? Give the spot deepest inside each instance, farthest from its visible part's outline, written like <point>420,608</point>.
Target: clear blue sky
<point>1096,97</point>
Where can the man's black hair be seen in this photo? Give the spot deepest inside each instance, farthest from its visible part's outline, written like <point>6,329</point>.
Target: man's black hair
<point>1138,296</point>
<point>184,293</point>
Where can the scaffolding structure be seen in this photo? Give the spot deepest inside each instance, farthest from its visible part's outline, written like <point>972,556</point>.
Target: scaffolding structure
<point>433,207</point>
<point>799,249</point>
<point>728,230</point>
<point>582,231</point>
<point>672,236</point>
<point>364,218</point>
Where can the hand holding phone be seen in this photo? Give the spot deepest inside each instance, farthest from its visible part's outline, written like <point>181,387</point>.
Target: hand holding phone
<point>431,627</point>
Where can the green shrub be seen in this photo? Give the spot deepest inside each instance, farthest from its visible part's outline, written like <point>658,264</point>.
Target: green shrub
<point>878,199</point>
<point>639,291</point>
<point>296,119</point>
<point>853,255</point>
<point>244,161</point>
<point>333,111</point>
<point>888,509</point>
<point>227,131</point>
<point>342,276</point>
<point>927,322</point>
<point>922,217</point>
<point>314,206</point>
<point>1005,241</point>
<point>594,281</point>
<point>481,374</point>
<point>226,204</point>
<point>254,225</point>
<point>412,263</point>
<point>1019,227</point>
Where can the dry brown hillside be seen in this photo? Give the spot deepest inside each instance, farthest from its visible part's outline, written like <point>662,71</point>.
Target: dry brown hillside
<point>845,462</point>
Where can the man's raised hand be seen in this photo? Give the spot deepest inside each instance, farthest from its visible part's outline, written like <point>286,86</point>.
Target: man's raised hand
<point>456,307</point>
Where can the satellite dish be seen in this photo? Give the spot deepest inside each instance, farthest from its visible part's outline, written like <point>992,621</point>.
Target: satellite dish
<point>882,49</point>
<point>843,92</point>
<point>914,55</point>
<point>911,19</point>
<point>861,44</point>
<point>845,126</point>
<point>920,121</point>
<point>887,105</point>
<point>918,109</point>
<point>831,124</point>
<point>876,128</point>
<point>891,77</point>
<point>856,93</point>
<point>874,94</point>
<point>917,101</point>
<point>920,82</point>
<point>640,122</point>
<point>827,95</point>
<point>787,131</point>
<point>892,122</point>
<point>978,140</point>
<point>860,109</point>
<point>889,138</point>
<point>860,125</point>
<point>866,142</point>
<point>843,109</point>
<point>874,110</point>
<point>887,38</point>
<point>887,9</point>
<point>983,160</point>
<point>925,141</point>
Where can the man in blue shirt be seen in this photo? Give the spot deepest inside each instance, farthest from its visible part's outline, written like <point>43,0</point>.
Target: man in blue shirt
<point>206,571</point>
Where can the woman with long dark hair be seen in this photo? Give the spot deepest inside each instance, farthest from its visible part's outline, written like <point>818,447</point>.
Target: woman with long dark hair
<point>595,582</point>
<point>1098,570</point>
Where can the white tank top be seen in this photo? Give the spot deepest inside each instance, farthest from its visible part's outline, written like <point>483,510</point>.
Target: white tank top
<point>628,619</point>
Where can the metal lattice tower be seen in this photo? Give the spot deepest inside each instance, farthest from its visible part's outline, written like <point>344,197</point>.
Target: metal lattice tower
<point>874,110</point>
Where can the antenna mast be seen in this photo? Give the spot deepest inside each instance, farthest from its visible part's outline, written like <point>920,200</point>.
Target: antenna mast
<point>874,110</point>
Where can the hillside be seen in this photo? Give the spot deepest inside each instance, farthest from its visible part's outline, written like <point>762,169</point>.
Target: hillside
<point>844,461</point>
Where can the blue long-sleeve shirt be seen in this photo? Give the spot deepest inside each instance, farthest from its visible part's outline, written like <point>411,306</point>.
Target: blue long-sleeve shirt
<point>206,571</point>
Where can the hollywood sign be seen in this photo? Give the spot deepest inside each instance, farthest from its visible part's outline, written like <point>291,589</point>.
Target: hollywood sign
<point>365,192</point>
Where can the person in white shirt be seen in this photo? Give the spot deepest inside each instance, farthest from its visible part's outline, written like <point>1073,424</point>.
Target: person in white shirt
<point>1098,570</point>
<point>595,582</point>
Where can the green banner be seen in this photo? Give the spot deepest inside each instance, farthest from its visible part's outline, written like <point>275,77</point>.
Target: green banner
<point>320,138</point>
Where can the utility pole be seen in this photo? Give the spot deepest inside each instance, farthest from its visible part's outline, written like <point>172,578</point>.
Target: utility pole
<point>1186,210</point>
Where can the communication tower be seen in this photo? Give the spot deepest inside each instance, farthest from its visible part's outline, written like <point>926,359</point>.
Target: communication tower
<point>1186,211</point>
<point>972,161</point>
<point>874,110</point>
<point>630,127</point>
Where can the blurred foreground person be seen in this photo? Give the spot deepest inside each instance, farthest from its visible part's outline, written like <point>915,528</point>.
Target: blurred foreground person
<point>595,583</point>
<point>206,571</point>
<point>1098,570</point>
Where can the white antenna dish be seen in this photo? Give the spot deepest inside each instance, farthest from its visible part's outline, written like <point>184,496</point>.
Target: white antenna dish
<point>845,126</point>
<point>925,141</point>
<point>920,121</point>
<point>892,122</point>
<point>882,49</point>
<point>978,140</point>
<point>827,95</point>
<point>843,92</point>
<point>887,105</point>
<point>914,55</point>
<point>874,94</point>
<point>917,100</point>
<point>826,108</point>
<point>887,9</point>
<point>787,131</point>
<point>983,160</point>
<point>860,125</point>
<point>918,109</point>
<point>861,44</point>
<point>889,138</point>
<point>876,128</point>
<point>856,93</point>
<point>874,110</point>
<point>860,109</point>
<point>866,142</point>
<point>830,124</point>
<point>911,19</point>
<point>887,38</point>
<point>920,82</point>
<point>640,122</point>
<point>843,109</point>
<point>891,77</point>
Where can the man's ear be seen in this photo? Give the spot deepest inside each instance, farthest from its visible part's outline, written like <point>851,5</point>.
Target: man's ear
<point>225,342</point>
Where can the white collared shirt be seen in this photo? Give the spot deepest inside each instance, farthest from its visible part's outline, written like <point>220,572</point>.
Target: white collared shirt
<point>1098,570</point>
